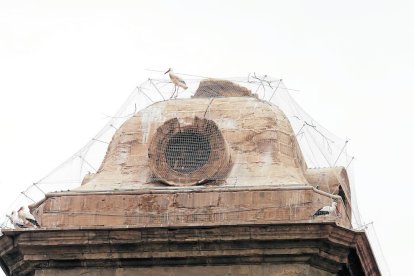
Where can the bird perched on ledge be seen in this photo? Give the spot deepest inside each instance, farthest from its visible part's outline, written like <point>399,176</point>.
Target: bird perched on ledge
<point>16,221</point>
<point>177,81</point>
<point>327,210</point>
<point>27,218</point>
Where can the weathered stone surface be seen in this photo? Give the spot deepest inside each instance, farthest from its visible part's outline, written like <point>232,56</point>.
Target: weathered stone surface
<point>220,88</point>
<point>187,207</point>
<point>316,248</point>
<point>259,137</point>
<point>219,270</point>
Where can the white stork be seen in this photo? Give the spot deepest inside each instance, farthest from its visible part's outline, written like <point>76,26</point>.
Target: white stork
<point>327,210</point>
<point>177,81</point>
<point>27,218</point>
<point>16,221</point>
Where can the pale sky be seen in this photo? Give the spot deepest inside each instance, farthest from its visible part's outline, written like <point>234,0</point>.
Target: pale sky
<point>64,64</point>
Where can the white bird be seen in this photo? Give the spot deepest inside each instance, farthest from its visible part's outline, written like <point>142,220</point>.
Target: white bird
<point>326,210</point>
<point>178,82</point>
<point>16,221</point>
<point>27,218</point>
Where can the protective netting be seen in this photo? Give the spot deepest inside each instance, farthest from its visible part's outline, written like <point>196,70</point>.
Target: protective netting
<point>320,147</point>
<point>187,155</point>
<point>187,143</point>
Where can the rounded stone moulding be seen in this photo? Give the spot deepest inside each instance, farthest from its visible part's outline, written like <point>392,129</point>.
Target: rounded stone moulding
<point>188,154</point>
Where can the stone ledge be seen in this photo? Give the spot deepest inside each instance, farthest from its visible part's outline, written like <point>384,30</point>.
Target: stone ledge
<point>324,245</point>
<point>187,207</point>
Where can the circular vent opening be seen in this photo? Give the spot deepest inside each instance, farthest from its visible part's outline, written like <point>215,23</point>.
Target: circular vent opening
<point>188,154</point>
<point>187,151</point>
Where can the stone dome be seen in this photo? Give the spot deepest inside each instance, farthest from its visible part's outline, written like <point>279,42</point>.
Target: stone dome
<point>221,140</point>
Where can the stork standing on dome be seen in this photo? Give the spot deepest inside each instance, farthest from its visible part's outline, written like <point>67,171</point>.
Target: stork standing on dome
<point>177,81</point>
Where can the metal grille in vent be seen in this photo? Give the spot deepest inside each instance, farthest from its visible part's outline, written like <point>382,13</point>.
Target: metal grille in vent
<point>187,151</point>
<point>183,155</point>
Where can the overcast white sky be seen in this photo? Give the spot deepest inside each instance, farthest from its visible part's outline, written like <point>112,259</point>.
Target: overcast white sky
<point>63,64</point>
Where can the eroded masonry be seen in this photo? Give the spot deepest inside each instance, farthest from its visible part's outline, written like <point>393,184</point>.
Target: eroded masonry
<point>211,185</point>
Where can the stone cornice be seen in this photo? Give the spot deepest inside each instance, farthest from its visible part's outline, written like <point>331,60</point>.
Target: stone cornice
<point>323,245</point>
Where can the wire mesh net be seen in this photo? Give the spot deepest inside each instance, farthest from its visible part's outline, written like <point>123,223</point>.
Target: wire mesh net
<point>187,143</point>
<point>186,155</point>
<point>320,147</point>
